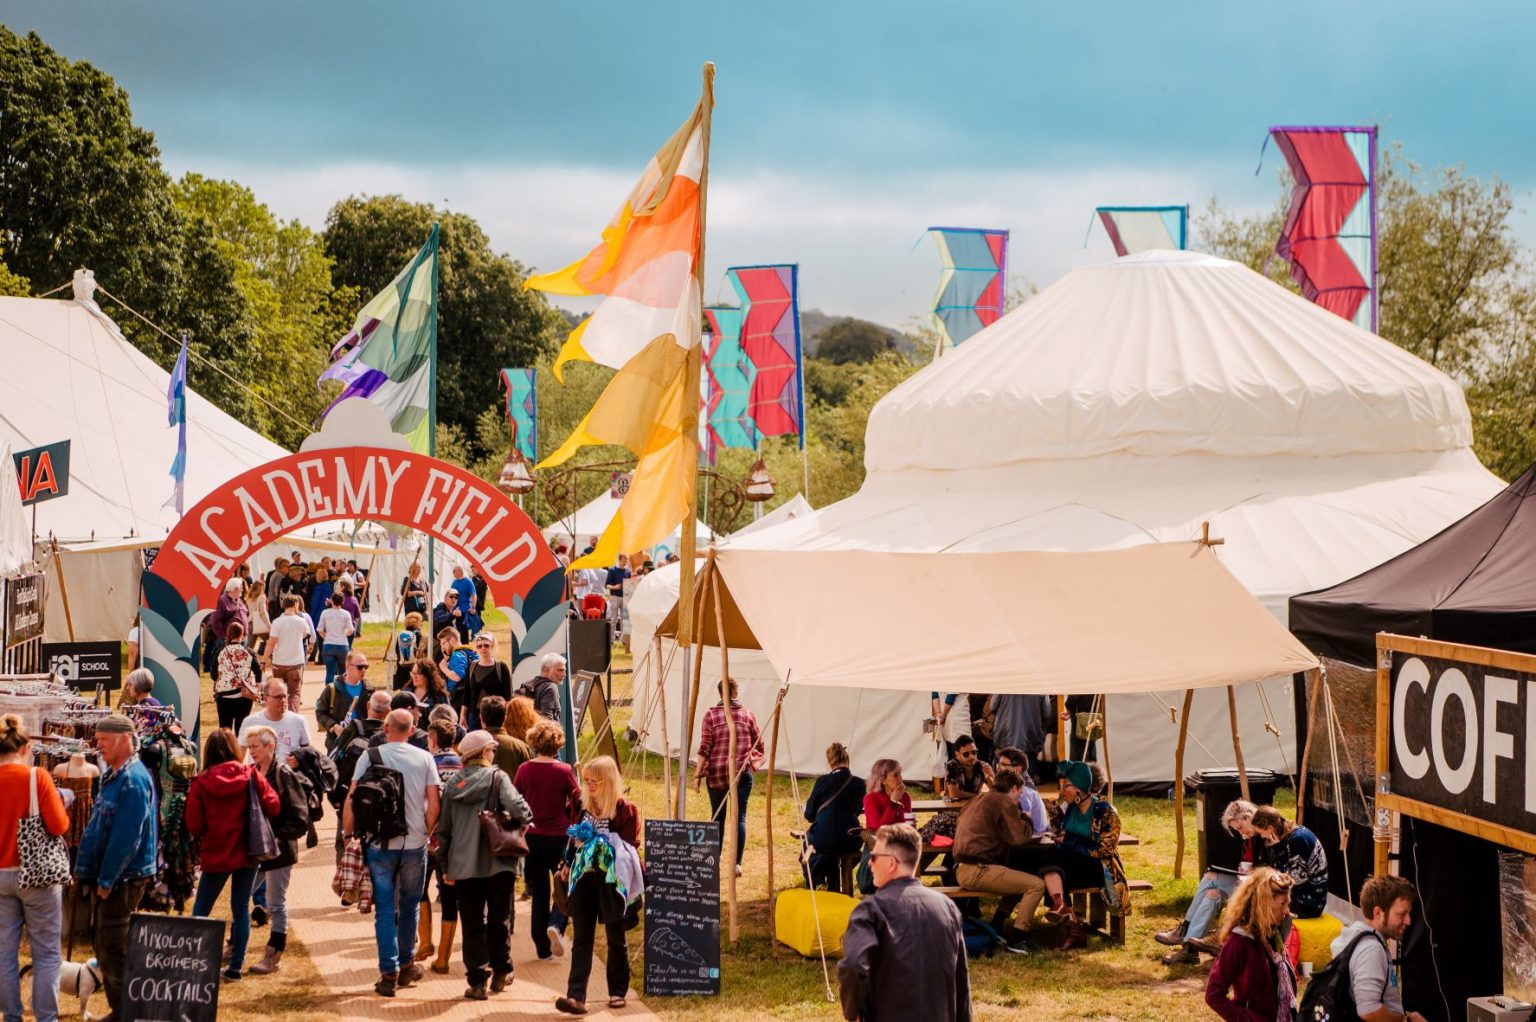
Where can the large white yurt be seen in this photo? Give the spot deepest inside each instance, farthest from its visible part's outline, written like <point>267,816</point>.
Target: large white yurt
<point>1128,403</point>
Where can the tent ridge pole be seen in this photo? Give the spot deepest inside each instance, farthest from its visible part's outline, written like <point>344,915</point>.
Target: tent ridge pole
<point>1237,743</point>
<point>1178,785</point>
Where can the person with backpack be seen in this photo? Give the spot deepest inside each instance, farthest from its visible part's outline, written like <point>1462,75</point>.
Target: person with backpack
<point>924,974</point>
<point>218,809</point>
<point>1361,981</point>
<point>392,806</point>
<point>486,676</point>
<point>1251,979</point>
<point>344,701</point>
<point>290,824</point>
<point>483,883</point>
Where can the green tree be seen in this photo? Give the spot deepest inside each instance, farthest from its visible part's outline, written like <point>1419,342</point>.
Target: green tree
<point>291,309</point>
<point>854,340</point>
<point>486,321</point>
<point>12,284</point>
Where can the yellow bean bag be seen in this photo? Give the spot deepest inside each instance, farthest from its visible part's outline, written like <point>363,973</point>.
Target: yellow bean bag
<point>1316,936</point>
<point>795,920</point>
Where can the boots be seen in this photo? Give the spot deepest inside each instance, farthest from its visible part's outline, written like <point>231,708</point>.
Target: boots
<point>1174,937</point>
<point>268,963</point>
<point>444,948</point>
<point>424,948</point>
<point>1076,936</point>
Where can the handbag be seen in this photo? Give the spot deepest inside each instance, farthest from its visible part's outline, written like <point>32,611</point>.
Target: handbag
<point>505,834</point>
<point>44,858</point>
<point>260,842</point>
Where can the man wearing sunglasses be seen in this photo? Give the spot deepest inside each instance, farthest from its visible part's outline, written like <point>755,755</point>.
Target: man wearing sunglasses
<point>923,975</point>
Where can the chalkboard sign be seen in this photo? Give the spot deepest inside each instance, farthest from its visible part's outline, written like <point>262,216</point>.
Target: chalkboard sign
<point>682,907</point>
<point>172,972</point>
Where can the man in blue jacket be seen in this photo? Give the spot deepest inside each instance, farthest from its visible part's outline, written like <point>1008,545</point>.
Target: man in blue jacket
<point>117,851</point>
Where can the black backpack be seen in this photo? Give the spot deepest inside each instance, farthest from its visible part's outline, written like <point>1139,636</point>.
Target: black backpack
<point>346,757</point>
<point>1329,996</point>
<point>292,822</point>
<point>378,802</point>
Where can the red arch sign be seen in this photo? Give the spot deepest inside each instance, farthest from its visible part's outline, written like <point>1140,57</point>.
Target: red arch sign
<point>401,487</point>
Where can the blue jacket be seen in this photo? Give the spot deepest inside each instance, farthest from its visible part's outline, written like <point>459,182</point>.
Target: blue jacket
<point>320,599</point>
<point>119,841</point>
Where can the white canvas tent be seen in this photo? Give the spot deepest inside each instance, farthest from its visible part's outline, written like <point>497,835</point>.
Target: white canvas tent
<point>577,528</point>
<point>15,534</point>
<point>1127,404</point>
<point>70,374</point>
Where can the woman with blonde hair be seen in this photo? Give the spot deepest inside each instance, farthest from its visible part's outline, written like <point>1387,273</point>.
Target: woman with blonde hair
<point>1251,980</point>
<point>594,897</point>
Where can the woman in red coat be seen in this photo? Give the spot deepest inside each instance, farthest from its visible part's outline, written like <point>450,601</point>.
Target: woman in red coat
<point>217,809</point>
<point>1251,980</point>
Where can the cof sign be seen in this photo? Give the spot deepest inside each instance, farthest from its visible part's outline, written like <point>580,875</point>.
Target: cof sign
<point>23,608</point>
<point>1456,737</point>
<point>85,666</point>
<point>43,472</point>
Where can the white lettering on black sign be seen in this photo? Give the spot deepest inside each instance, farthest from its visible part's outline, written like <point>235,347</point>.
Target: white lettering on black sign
<point>1464,739</point>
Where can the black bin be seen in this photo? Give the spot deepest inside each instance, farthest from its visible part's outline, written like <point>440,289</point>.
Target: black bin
<point>1214,789</point>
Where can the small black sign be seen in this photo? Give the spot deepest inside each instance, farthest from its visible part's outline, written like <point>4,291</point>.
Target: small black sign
<point>43,472</point>
<point>581,696</point>
<point>85,666</point>
<point>172,972</point>
<point>682,907</point>
<point>23,608</point>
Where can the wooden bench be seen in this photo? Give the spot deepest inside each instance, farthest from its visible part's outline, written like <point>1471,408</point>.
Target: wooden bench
<point>1087,902</point>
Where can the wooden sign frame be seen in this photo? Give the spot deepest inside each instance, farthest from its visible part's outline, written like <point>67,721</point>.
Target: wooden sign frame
<point>1389,804</point>
<point>594,701</point>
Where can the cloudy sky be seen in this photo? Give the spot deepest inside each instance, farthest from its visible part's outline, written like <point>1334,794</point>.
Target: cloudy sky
<point>841,130</point>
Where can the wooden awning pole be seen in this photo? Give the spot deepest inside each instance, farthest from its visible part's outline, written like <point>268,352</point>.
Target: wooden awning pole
<point>1237,743</point>
<point>1063,748</point>
<point>1109,770</point>
<point>69,620</point>
<point>693,693</point>
<point>1315,684</point>
<point>1178,785</point>
<point>773,759</point>
<point>659,679</point>
<point>730,847</point>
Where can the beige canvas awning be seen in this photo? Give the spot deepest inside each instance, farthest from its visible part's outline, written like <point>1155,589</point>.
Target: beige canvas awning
<point>1147,618</point>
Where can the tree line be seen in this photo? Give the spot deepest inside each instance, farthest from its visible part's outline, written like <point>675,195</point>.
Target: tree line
<point>82,185</point>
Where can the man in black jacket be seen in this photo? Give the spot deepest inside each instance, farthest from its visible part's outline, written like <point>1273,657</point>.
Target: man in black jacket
<point>544,687</point>
<point>923,975</point>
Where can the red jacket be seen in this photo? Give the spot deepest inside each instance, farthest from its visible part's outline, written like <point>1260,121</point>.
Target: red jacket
<point>1248,970</point>
<point>216,813</point>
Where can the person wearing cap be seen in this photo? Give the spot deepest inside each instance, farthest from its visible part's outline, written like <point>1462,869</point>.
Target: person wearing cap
<point>405,700</point>
<point>483,883</point>
<point>1086,829</point>
<point>116,856</point>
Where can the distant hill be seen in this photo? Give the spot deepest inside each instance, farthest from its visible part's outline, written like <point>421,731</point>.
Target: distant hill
<point>814,323</point>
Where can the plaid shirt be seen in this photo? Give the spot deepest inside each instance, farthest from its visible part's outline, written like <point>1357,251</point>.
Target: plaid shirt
<point>715,744</point>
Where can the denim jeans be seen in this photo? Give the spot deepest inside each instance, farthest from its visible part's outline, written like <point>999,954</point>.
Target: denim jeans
<point>399,877</point>
<point>276,883</point>
<point>334,656</point>
<point>210,886</point>
<point>717,807</point>
<point>42,910</point>
<point>1210,896</point>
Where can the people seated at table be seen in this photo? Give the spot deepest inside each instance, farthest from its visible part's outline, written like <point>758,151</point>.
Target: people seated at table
<point>886,799</point>
<point>990,827</point>
<point>1031,803</point>
<point>833,814</point>
<point>1216,886</point>
<point>964,778</point>
<point>1086,829</point>
<point>1296,852</point>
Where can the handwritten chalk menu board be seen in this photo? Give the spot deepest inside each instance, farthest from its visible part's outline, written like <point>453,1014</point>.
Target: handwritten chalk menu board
<point>172,972</point>
<point>682,907</point>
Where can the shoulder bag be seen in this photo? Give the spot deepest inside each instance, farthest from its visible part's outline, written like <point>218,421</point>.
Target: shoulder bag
<point>44,859</point>
<point>260,842</point>
<point>506,836</point>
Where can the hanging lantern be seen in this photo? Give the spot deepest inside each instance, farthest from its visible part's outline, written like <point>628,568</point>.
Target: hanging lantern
<point>759,484</point>
<point>515,479</point>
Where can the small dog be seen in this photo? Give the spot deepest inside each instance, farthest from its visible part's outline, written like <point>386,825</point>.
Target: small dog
<point>77,979</point>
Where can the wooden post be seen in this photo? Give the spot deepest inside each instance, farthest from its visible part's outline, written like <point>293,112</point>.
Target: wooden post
<point>659,679</point>
<point>1315,682</point>
<point>1109,770</point>
<point>69,621</point>
<point>1382,857</point>
<point>773,758</point>
<point>686,635</point>
<point>730,846</point>
<point>1178,785</point>
<point>693,692</point>
<point>1063,747</point>
<point>1237,742</point>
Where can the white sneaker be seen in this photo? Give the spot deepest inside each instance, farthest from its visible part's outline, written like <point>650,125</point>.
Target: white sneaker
<point>738,871</point>
<point>556,942</point>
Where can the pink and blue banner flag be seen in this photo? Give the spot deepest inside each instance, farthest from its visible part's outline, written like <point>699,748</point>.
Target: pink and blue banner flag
<point>176,414</point>
<point>1133,229</point>
<point>972,283</point>
<point>770,338</point>
<point>523,410</point>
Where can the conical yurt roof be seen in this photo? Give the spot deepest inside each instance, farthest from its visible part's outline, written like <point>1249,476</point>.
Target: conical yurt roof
<point>1162,354</point>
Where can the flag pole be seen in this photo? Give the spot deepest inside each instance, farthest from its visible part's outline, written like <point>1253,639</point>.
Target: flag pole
<point>689,551</point>
<point>432,411</point>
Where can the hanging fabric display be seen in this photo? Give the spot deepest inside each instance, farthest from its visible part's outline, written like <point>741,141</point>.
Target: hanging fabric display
<point>972,282</point>
<point>1133,229</point>
<point>523,410</point>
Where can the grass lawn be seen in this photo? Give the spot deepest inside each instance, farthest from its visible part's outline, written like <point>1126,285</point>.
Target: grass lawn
<point>761,983</point>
